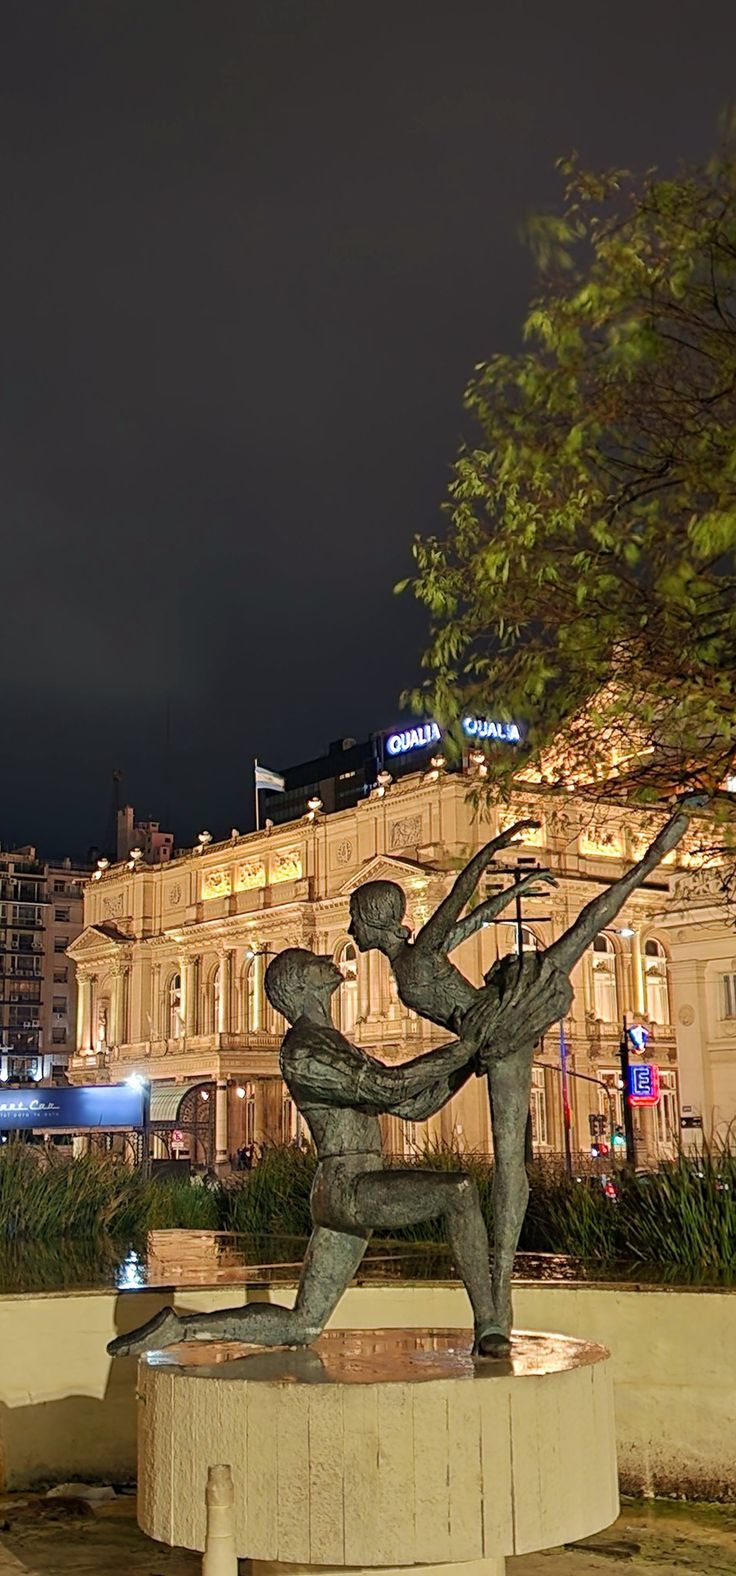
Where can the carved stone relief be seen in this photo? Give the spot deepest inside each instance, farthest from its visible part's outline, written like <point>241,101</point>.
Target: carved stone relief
<point>286,866</point>
<point>250,875</point>
<point>406,833</point>
<point>113,906</point>
<point>216,883</point>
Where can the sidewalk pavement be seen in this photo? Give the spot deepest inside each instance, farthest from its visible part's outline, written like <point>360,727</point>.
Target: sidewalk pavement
<point>40,1537</point>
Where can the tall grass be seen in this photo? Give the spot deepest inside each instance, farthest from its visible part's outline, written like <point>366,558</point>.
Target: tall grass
<point>48,1198</point>
<point>682,1214</point>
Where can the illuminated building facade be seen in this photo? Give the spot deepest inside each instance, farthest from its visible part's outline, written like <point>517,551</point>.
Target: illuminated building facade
<point>41,913</point>
<point>170,969</point>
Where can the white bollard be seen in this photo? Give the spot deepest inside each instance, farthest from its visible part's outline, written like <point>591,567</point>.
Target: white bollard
<point>219,1557</point>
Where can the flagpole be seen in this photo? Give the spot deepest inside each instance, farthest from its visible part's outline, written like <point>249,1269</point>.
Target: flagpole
<point>255,792</point>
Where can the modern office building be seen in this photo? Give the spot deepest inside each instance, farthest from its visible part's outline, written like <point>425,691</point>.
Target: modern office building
<point>348,770</point>
<point>41,914</point>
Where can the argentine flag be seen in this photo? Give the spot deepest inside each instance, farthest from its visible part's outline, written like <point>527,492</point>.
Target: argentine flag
<point>269,780</point>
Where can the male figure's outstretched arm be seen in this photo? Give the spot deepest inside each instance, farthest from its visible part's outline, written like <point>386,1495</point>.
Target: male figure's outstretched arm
<point>438,930</point>
<point>322,1067</point>
<point>566,951</point>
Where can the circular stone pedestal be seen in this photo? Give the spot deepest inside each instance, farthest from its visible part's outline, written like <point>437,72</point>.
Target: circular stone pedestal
<point>380,1448</point>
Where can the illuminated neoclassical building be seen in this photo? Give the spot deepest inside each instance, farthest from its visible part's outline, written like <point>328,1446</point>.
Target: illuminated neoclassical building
<point>170,969</point>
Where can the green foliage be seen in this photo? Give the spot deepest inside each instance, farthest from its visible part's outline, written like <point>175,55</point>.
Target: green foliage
<point>47,1198</point>
<point>591,525</point>
<point>273,1198</point>
<point>55,1215</point>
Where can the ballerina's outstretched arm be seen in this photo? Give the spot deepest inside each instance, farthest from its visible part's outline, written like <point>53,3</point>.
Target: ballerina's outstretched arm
<point>438,930</point>
<point>566,951</point>
<point>484,913</point>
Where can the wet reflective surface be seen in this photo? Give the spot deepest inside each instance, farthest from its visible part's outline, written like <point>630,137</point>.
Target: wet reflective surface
<point>170,1259</point>
<point>377,1357</point>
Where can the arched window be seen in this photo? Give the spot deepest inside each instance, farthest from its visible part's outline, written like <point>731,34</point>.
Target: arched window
<point>252,993</point>
<point>529,942</point>
<point>215,993</point>
<point>175,1026</point>
<point>605,995</point>
<point>655,976</point>
<point>347,998</point>
<point>667,1113</point>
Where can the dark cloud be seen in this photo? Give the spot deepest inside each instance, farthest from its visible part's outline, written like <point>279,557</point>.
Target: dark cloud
<point>250,255</point>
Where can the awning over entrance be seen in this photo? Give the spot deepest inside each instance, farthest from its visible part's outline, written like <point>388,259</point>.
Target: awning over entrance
<point>166,1100</point>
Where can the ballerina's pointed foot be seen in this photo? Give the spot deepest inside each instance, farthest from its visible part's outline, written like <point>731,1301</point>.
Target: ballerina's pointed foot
<point>492,1342</point>
<point>165,1330</point>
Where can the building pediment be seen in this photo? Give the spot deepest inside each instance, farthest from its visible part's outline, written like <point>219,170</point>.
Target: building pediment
<point>96,941</point>
<point>383,867</point>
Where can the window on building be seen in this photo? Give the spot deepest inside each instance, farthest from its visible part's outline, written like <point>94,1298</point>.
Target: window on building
<point>253,992</point>
<point>610,1099</point>
<point>60,886</point>
<point>61,943</point>
<point>176,1027</point>
<point>728,995</point>
<point>605,995</point>
<point>667,1112</point>
<point>59,1004</point>
<point>61,976</point>
<point>58,1036</point>
<point>538,1109</point>
<point>347,997</point>
<point>62,916</point>
<point>529,941</point>
<point>288,1120</point>
<point>215,997</point>
<point>655,976</point>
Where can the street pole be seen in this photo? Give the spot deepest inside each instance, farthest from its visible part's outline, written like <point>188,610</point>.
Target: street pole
<point>146,1130</point>
<point>255,793</point>
<point>566,1114</point>
<point>628,1112</point>
<point>524,867</point>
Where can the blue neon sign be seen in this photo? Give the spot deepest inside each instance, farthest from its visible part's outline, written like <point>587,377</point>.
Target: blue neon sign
<point>485,728</point>
<point>643,1083</point>
<point>413,739</point>
<point>427,733</point>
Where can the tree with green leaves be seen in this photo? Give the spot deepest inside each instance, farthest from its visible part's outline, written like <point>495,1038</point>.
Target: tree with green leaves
<point>586,578</point>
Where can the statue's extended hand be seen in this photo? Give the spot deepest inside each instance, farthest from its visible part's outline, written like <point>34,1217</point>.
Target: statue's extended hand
<point>517,830</point>
<point>530,885</point>
<point>479,1022</point>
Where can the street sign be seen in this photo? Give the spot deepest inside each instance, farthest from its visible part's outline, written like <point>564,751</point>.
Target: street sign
<point>638,1035</point>
<point>104,1106</point>
<point>643,1083</point>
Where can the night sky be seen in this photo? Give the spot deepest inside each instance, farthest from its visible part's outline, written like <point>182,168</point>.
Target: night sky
<point>250,254</point>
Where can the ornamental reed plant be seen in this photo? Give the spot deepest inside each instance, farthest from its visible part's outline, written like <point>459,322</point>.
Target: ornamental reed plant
<point>679,1217</point>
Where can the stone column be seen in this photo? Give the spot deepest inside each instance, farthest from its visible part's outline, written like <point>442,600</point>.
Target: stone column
<point>223,1015</point>
<point>637,969</point>
<point>189,981</point>
<point>154,1015</point>
<point>259,1112</point>
<point>84,1013</point>
<point>91,1036</point>
<point>115,1031</point>
<point>221,1148</point>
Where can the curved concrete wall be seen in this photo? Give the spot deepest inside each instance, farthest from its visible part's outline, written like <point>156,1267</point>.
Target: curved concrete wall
<point>66,1410</point>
